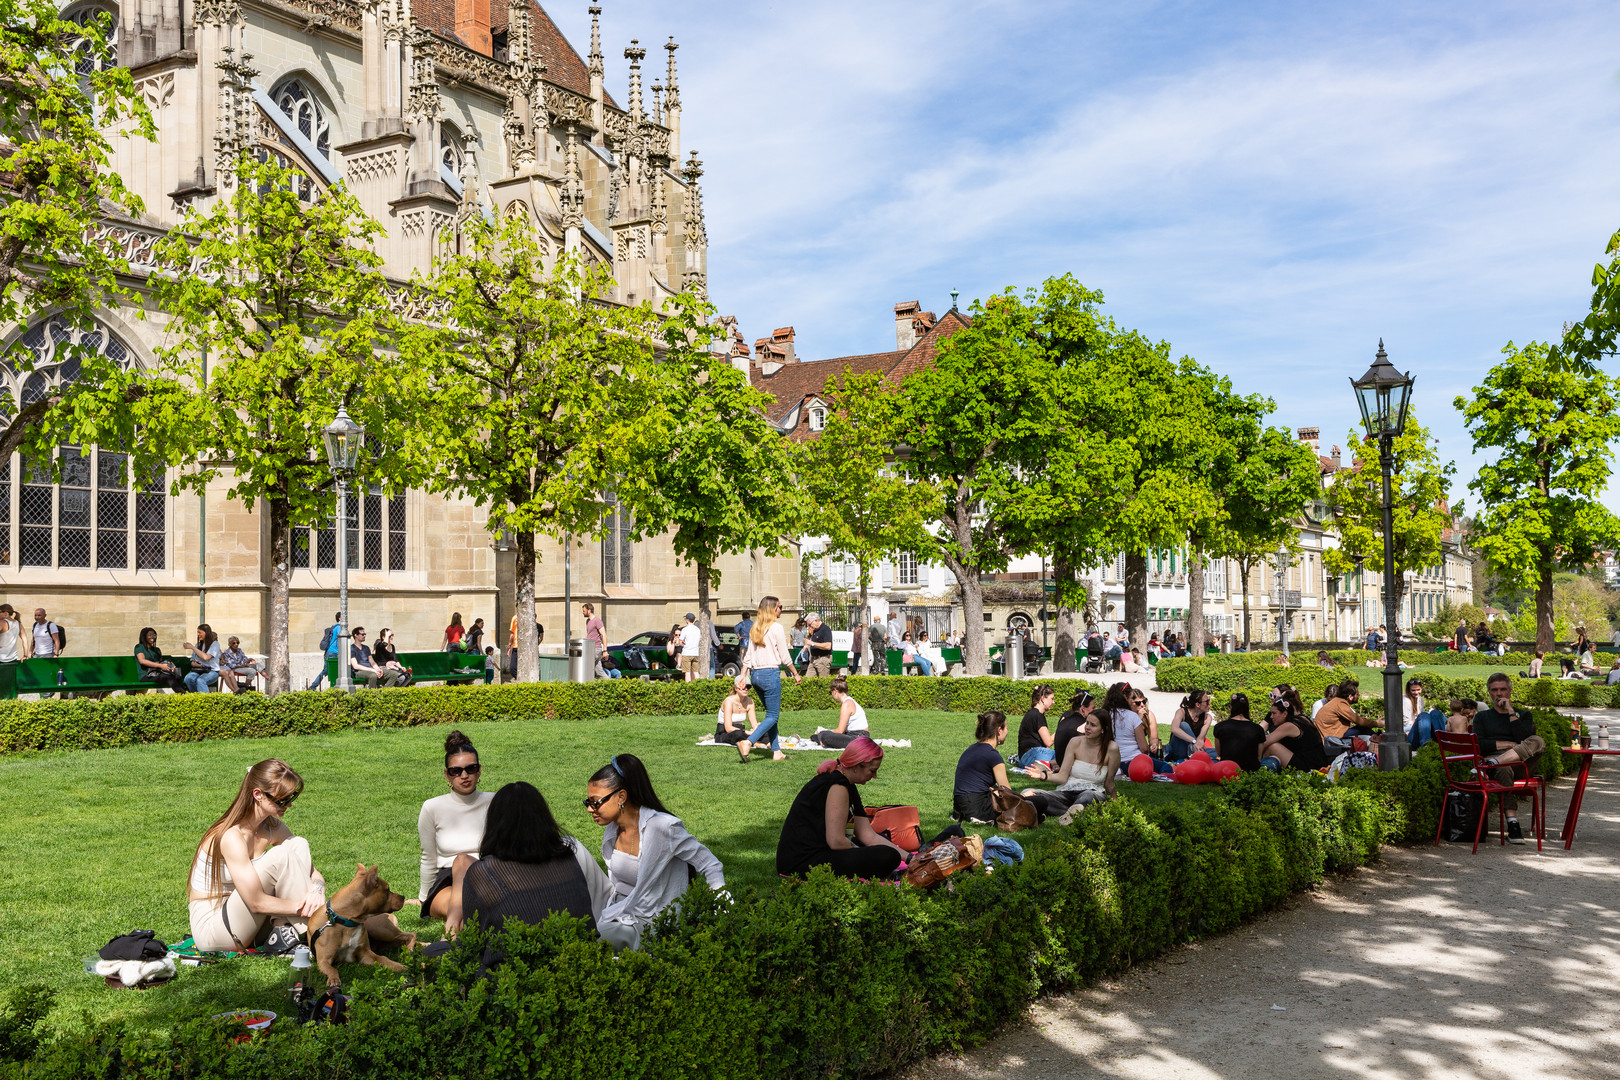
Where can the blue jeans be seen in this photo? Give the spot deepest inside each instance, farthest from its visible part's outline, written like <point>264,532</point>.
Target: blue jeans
<point>1037,753</point>
<point>922,664</point>
<point>1424,725</point>
<point>1271,764</point>
<point>200,680</point>
<point>769,685</point>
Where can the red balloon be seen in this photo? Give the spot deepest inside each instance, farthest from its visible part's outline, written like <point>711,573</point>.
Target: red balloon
<point>1203,755</point>
<point>1227,770</point>
<point>1197,771</point>
<point>1141,769</point>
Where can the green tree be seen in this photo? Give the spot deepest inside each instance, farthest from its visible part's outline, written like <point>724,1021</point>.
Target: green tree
<point>866,507</point>
<point>721,478</point>
<point>975,422</point>
<point>1355,500</point>
<point>539,394</point>
<point>1550,417</point>
<point>291,305</point>
<point>62,96</point>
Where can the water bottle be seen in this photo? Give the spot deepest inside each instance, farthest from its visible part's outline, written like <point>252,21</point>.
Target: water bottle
<point>61,677</point>
<point>301,993</point>
<point>1603,734</point>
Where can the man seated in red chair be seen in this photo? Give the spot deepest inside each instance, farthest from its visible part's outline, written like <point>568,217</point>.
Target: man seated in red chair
<point>1505,735</point>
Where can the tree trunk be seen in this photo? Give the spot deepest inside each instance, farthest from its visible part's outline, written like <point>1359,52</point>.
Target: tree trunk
<point>862,663</point>
<point>1136,592</point>
<point>277,654</point>
<point>705,649</point>
<point>1064,639</point>
<point>975,657</point>
<point>1195,603</point>
<point>1244,568</point>
<point>528,643</point>
<point>1545,641</point>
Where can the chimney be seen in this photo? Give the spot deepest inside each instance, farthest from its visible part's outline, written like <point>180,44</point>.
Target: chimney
<point>1311,435</point>
<point>905,334</point>
<point>472,26</point>
<point>782,340</point>
<point>1335,456</point>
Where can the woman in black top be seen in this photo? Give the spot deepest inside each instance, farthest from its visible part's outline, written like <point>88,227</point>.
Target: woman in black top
<point>154,669</point>
<point>1294,741</point>
<point>1238,738</point>
<point>1189,726</point>
<point>813,834</point>
<point>980,771</point>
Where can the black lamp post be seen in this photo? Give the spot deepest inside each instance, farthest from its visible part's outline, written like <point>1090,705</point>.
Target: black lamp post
<point>1384,394</point>
<point>343,438</point>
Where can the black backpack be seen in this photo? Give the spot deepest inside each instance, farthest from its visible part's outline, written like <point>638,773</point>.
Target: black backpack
<point>636,660</point>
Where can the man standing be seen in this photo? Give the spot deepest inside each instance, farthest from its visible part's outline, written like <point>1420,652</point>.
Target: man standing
<point>1507,734</point>
<point>819,642</point>
<point>897,630</point>
<point>47,637</point>
<point>329,647</point>
<point>361,666</point>
<point>594,627</point>
<point>880,647</point>
<point>1372,639</point>
<point>691,638</point>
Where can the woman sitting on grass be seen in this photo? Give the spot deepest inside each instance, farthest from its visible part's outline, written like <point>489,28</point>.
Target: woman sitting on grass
<point>1294,741</point>
<point>851,719</point>
<point>649,854</point>
<point>813,834</point>
<point>736,716</point>
<point>1238,738</point>
<point>1190,725</point>
<point>252,882</point>
<point>1086,775</point>
<point>980,770</point>
<point>451,829</point>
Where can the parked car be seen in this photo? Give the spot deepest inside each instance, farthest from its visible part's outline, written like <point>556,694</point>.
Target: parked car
<point>654,646</point>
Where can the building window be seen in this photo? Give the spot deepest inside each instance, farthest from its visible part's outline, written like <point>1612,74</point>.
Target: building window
<point>618,549</point>
<point>301,107</point>
<point>818,418</point>
<point>376,528</point>
<point>89,15</point>
<point>907,568</point>
<point>450,149</point>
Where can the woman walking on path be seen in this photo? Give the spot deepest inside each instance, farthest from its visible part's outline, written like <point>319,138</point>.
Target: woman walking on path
<point>765,655</point>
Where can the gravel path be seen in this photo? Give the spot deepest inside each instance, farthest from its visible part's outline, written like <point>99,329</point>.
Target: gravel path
<point>1436,963</point>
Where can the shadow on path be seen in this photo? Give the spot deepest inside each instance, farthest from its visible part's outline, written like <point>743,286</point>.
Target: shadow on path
<point>1434,964</point>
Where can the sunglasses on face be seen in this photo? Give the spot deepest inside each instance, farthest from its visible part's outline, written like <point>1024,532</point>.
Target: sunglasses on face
<point>284,804</point>
<point>457,770</point>
<point>592,804</point>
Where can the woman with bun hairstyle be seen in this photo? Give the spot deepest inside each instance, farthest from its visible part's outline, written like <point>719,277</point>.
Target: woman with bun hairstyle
<point>813,834</point>
<point>252,881</point>
<point>451,828</point>
<point>649,854</point>
<point>851,719</point>
<point>980,770</point>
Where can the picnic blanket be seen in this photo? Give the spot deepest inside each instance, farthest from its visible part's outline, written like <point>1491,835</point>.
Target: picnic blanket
<point>799,742</point>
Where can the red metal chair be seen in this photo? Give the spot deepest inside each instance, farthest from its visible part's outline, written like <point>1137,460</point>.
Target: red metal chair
<point>1463,749</point>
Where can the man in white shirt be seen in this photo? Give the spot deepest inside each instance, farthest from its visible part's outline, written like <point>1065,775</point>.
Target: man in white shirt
<point>691,639</point>
<point>896,631</point>
<point>47,636</point>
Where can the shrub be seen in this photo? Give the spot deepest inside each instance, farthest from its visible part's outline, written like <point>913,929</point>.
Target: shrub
<point>1222,674</point>
<point>819,978</point>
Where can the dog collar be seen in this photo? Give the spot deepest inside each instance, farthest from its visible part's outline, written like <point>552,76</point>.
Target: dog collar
<point>332,916</point>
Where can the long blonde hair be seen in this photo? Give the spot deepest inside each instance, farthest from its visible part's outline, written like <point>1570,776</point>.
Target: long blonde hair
<point>770,609</point>
<point>272,776</point>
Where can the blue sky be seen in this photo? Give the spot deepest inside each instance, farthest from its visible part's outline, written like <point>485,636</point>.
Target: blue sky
<point>1271,187</point>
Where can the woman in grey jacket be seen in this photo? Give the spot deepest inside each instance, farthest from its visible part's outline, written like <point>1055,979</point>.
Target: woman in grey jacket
<point>649,854</point>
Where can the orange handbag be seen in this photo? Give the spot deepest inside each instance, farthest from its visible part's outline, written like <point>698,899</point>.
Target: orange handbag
<point>900,825</point>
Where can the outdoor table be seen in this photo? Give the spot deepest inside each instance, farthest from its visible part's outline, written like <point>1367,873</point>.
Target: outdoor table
<point>1574,812</point>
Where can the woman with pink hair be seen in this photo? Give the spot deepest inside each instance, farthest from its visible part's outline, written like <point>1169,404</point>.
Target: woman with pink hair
<point>813,834</point>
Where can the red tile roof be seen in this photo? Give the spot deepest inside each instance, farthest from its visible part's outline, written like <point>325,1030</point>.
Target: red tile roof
<point>564,66</point>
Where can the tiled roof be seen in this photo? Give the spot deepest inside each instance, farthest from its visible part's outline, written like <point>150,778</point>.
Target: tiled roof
<point>564,66</point>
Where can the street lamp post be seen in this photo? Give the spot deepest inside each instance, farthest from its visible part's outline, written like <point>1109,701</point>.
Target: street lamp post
<point>1384,394</point>
<point>1282,594</point>
<point>343,438</point>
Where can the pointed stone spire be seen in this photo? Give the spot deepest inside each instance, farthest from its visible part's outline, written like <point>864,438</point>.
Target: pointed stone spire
<point>697,234</point>
<point>670,85</point>
<point>519,42</point>
<point>233,131</point>
<point>571,194</point>
<point>635,56</point>
<point>660,203</point>
<point>595,67</point>
<point>658,103</point>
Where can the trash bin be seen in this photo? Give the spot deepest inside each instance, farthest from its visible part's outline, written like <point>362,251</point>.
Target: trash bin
<point>1012,657</point>
<point>581,660</point>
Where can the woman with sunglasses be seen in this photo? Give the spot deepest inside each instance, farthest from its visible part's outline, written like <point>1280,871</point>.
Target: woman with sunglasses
<point>451,827</point>
<point>252,881</point>
<point>649,854</point>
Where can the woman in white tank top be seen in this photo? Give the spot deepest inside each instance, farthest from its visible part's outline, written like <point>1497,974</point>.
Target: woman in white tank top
<point>851,719</point>
<point>10,632</point>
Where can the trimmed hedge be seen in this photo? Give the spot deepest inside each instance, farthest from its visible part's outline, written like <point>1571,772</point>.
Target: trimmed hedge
<point>86,724</point>
<point>819,978</point>
<point>1253,674</point>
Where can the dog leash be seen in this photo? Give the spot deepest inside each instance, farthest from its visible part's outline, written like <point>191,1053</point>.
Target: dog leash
<point>331,917</point>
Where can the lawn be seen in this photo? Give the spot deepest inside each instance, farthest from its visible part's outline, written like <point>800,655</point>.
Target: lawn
<point>1372,679</point>
<point>96,843</point>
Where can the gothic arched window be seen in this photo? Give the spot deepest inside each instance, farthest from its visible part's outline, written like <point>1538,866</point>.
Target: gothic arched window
<point>99,516</point>
<point>86,15</point>
<point>451,149</point>
<point>304,109</point>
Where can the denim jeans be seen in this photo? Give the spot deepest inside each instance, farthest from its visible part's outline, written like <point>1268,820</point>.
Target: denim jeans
<point>201,680</point>
<point>1037,753</point>
<point>1271,764</point>
<point>922,664</point>
<point>769,684</point>
<point>1424,725</point>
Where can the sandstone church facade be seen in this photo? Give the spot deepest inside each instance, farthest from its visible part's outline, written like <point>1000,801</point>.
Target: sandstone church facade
<point>432,112</point>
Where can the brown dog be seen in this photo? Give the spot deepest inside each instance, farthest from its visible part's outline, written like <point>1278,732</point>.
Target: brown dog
<point>364,913</point>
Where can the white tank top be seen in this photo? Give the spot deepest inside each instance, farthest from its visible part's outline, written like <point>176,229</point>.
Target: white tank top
<point>857,722</point>
<point>1083,776</point>
<point>8,643</point>
<point>202,880</point>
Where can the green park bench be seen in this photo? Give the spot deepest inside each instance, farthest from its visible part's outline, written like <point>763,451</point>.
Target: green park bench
<point>950,656</point>
<point>452,668</point>
<point>81,674</point>
<point>660,665</point>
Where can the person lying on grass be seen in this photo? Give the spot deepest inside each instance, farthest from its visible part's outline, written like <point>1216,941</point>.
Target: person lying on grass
<point>451,827</point>
<point>252,881</point>
<point>813,834</point>
<point>851,719</point>
<point>980,770</point>
<point>649,854</point>
<point>1086,775</point>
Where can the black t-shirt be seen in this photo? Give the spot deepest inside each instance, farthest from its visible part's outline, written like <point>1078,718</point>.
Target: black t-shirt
<point>821,635</point>
<point>804,833</point>
<point>473,639</point>
<point>1029,732</point>
<point>1240,740</point>
<point>976,769</point>
<point>1068,727</point>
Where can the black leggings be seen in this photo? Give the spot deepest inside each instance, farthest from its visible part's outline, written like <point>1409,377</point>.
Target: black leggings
<point>834,741</point>
<point>973,806</point>
<point>863,862</point>
<point>163,680</point>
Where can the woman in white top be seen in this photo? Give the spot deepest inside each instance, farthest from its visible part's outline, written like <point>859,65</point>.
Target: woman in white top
<point>763,660</point>
<point>10,635</point>
<point>250,876</point>
<point>931,652</point>
<point>649,854</point>
<point>1411,703</point>
<point>1087,774</point>
<point>204,660</point>
<point>851,719</point>
<point>451,828</point>
<point>735,719</point>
